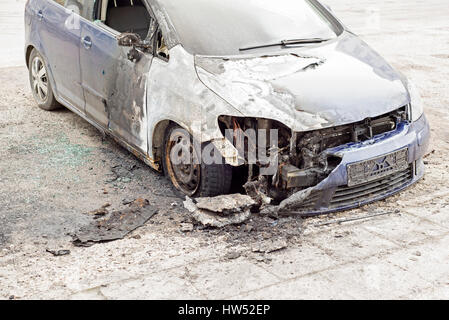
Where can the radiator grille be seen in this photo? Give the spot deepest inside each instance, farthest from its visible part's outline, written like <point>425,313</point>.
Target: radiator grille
<point>346,196</point>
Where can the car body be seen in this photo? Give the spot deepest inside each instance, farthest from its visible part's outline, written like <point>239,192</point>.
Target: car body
<point>349,128</point>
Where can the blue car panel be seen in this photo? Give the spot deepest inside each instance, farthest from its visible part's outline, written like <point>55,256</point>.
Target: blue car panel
<point>106,72</point>
<point>98,54</point>
<point>58,36</point>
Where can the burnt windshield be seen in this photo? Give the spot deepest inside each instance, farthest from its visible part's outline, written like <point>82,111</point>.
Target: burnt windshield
<point>216,27</point>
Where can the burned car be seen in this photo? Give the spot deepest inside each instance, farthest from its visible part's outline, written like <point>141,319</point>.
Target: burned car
<point>278,96</point>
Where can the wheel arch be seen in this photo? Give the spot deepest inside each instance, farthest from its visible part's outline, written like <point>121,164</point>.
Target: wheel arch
<point>158,137</point>
<point>214,180</point>
<point>28,51</point>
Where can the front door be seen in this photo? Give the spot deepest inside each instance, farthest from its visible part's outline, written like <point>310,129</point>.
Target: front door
<point>114,87</point>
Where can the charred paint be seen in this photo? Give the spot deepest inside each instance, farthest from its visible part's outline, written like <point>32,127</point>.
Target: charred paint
<point>341,82</point>
<point>127,110</point>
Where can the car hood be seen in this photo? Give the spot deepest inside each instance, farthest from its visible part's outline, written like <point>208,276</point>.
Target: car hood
<point>341,82</point>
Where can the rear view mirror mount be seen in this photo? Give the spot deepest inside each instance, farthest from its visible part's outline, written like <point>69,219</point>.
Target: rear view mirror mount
<point>134,41</point>
<point>129,39</point>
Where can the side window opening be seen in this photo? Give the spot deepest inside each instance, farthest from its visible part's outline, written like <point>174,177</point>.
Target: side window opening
<point>84,8</point>
<point>126,16</point>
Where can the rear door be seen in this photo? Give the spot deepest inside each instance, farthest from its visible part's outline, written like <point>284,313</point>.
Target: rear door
<point>114,86</point>
<point>59,32</point>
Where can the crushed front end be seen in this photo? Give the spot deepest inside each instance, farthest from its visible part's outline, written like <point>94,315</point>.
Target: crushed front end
<point>338,168</point>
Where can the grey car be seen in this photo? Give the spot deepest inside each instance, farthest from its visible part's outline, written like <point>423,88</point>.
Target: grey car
<point>277,99</point>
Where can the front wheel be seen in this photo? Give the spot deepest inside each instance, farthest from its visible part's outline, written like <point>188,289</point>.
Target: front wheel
<point>40,83</point>
<point>181,163</point>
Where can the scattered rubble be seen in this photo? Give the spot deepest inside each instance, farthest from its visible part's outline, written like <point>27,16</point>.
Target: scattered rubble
<point>186,227</point>
<point>232,255</point>
<point>227,204</point>
<point>58,253</point>
<point>103,211</point>
<point>221,211</point>
<point>258,190</point>
<point>263,258</point>
<point>270,246</point>
<point>117,226</point>
<point>122,172</point>
<point>127,202</point>
<point>248,228</point>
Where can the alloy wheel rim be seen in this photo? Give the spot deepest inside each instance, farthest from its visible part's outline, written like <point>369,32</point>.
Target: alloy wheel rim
<point>39,80</point>
<point>185,176</point>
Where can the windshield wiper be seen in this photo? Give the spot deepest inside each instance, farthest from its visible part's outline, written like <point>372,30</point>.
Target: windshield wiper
<point>285,43</point>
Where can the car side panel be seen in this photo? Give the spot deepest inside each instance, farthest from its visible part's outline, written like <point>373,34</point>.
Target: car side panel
<point>58,34</point>
<point>98,64</point>
<point>114,86</point>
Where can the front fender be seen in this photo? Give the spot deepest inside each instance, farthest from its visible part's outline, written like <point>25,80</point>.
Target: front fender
<point>176,94</point>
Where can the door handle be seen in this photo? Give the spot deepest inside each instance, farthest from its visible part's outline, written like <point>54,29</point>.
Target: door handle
<point>40,15</point>
<point>87,42</point>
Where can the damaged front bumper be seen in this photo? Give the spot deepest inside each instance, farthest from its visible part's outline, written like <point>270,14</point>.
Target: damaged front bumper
<point>338,193</point>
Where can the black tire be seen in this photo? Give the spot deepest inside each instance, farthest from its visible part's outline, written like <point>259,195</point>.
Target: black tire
<point>213,180</point>
<point>39,83</point>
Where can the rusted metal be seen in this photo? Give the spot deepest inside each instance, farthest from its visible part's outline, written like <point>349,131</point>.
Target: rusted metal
<point>297,178</point>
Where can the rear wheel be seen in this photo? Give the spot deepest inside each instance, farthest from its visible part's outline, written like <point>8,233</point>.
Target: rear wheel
<point>181,162</point>
<point>40,83</point>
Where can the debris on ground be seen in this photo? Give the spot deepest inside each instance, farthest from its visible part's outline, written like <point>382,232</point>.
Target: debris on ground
<point>263,258</point>
<point>122,172</point>
<point>58,253</point>
<point>248,228</point>
<point>270,246</point>
<point>186,227</point>
<point>232,255</point>
<point>258,191</point>
<point>127,202</point>
<point>341,221</point>
<point>221,211</point>
<point>227,204</point>
<point>287,206</point>
<point>103,211</point>
<point>117,225</point>
<point>429,153</point>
